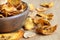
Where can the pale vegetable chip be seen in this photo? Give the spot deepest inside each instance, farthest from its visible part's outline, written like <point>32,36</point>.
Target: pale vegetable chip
<point>1,16</point>
<point>46,30</point>
<point>47,5</point>
<point>14,2</point>
<point>46,16</point>
<point>3,2</point>
<point>31,7</point>
<point>42,22</point>
<point>50,16</point>
<point>29,34</point>
<point>41,9</point>
<point>8,8</point>
<point>29,25</point>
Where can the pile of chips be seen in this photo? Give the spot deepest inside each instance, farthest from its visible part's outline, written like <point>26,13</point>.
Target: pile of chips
<point>11,8</point>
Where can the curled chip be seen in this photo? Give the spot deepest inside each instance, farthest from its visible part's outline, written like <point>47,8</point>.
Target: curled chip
<point>31,7</point>
<point>3,2</point>
<point>46,30</point>
<point>41,9</point>
<point>42,22</point>
<point>47,5</point>
<point>46,16</point>
<point>29,25</point>
<point>37,18</point>
<point>1,16</point>
<point>50,16</point>
<point>28,34</point>
<point>8,8</point>
<point>14,2</point>
<point>12,36</point>
<point>42,14</point>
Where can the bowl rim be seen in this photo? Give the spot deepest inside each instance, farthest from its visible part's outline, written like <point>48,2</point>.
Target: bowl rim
<point>22,13</point>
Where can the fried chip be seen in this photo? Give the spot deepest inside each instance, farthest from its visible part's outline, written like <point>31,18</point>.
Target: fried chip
<point>31,7</point>
<point>29,34</point>
<point>29,25</point>
<point>46,16</point>
<point>14,2</point>
<point>42,14</point>
<point>47,5</point>
<point>42,22</point>
<point>8,8</point>
<point>50,16</point>
<point>12,36</point>
<point>3,2</point>
<point>1,16</point>
<point>41,9</point>
<point>46,30</point>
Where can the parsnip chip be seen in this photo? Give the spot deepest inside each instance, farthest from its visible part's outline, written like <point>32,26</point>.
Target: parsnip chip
<point>51,4</point>
<point>31,7</point>
<point>41,9</point>
<point>29,25</point>
<point>50,16</point>
<point>47,5</point>
<point>42,22</point>
<point>8,8</point>
<point>14,2</point>
<point>46,30</point>
<point>46,16</point>
<point>29,34</point>
<point>3,2</point>
<point>42,14</point>
<point>1,16</point>
<point>12,36</point>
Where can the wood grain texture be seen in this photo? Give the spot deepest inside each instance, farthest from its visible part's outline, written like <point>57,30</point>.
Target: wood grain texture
<point>56,11</point>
